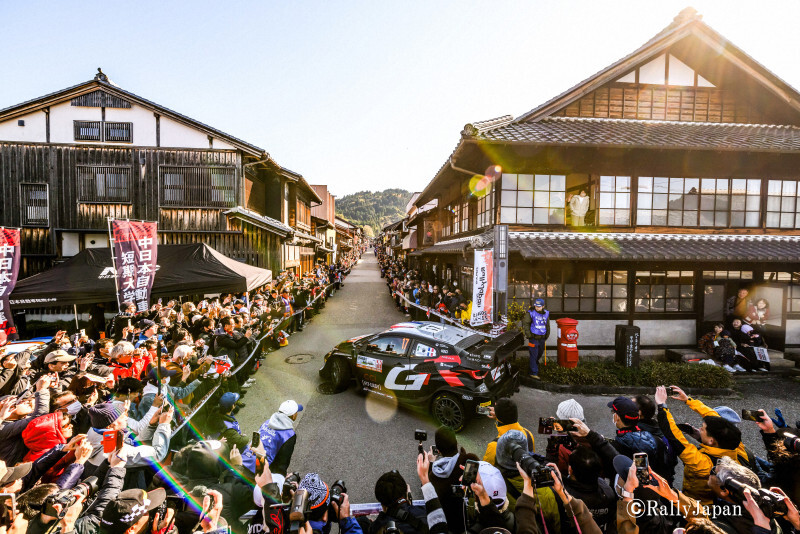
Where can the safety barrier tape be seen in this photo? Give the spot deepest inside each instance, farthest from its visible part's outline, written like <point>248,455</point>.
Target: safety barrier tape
<point>448,319</point>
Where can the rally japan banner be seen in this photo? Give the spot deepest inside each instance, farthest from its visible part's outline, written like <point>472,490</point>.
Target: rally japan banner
<point>482,279</point>
<point>135,255</point>
<point>9,270</point>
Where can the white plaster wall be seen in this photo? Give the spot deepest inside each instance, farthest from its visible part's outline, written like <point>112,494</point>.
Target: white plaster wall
<point>175,134</point>
<point>793,332</point>
<point>591,332</point>
<point>668,332</point>
<point>34,131</point>
<point>62,117</point>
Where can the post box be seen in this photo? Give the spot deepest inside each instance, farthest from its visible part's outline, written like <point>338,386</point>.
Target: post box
<point>567,342</point>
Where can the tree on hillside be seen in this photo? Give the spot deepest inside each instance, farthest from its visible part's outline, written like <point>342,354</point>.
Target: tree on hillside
<point>374,208</point>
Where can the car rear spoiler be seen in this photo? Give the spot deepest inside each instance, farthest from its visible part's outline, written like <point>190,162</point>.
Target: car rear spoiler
<point>496,350</point>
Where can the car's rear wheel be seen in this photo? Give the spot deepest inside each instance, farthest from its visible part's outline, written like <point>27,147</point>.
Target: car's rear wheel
<point>448,410</point>
<point>340,374</point>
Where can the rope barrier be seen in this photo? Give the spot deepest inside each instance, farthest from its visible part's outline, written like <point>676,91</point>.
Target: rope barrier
<point>430,311</point>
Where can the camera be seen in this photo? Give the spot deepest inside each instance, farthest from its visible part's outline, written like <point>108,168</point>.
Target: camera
<point>771,503</point>
<point>337,489</point>
<point>420,436</point>
<point>791,442</point>
<point>298,510</point>
<point>548,425</point>
<point>183,502</point>
<point>540,474</point>
<point>67,498</point>
<point>391,528</point>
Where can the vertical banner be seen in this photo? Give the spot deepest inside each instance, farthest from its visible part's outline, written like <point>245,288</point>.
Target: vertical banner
<point>482,294</point>
<point>10,252</point>
<point>135,255</point>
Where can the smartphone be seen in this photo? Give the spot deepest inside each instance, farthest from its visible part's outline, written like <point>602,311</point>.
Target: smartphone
<point>482,410</point>
<point>470,472</point>
<point>752,415</point>
<point>255,440</point>
<point>563,425</point>
<point>670,391</point>
<point>546,425</point>
<point>110,441</point>
<point>642,467</point>
<point>83,332</point>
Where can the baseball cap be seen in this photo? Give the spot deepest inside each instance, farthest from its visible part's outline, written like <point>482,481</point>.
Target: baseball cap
<point>15,473</point>
<point>227,400</point>
<point>493,482</point>
<point>622,464</point>
<point>729,414</point>
<point>129,506</point>
<point>290,408</point>
<point>538,302</point>
<point>59,356</point>
<point>625,408</point>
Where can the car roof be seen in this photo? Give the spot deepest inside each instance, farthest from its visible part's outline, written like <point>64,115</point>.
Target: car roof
<point>442,333</point>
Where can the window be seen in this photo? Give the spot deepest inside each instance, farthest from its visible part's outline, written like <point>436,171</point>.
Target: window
<point>87,130</point>
<point>464,217</point>
<point>197,187</point>
<point>119,132</point>
<point>782,204</point>
<point>728,275</point>
<point>581,291</point>
<point>421,350</point>
<point>664,291</point>
<point>615,201</point>
<point>104,184</point>
<point>111,132</point>
<point>35,205</point>
<point>485,207</point>
<point>100,99</point>
<point>532,199</point>
<point>703,202</point>
<point>303,213</point>
<point>389,345</point>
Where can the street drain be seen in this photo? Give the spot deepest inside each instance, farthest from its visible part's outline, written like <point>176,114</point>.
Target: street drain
<point>326,388</point>
<point>298,359</point>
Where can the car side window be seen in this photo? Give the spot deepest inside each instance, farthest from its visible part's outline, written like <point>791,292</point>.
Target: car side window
<point>421,350</point>
<point>390,345</point>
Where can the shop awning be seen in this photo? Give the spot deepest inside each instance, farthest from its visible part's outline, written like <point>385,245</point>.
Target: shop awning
<point>88,277</point>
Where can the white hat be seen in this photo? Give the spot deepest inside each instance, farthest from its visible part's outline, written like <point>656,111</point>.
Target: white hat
<point>290,408</point>
<point>570,409</point>
<point>493,482</point>
<point>746,328</point>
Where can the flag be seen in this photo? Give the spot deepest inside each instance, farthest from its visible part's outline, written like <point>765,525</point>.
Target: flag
<point>10,253</point>
<point>135,255</point>
<point>482,277</point>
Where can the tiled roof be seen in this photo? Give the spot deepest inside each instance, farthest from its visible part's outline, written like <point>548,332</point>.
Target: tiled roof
<point>655,247</point>
<point>268,223</point>
<point>647,134</point>
<point>454,246</point>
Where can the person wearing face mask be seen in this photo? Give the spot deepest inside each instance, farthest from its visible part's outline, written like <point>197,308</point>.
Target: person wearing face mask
<point>58,364</point>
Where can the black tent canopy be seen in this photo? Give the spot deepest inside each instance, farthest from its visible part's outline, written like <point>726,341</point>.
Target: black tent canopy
<point>88,277</point>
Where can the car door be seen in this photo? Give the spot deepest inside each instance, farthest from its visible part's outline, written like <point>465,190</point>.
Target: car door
<point>384,359</point>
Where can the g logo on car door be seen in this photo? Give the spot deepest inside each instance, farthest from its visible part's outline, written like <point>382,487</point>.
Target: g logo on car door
<point>416,381</point>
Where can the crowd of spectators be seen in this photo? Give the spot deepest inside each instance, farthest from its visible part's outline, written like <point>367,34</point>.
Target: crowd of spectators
<point>734,345</point>
<point>110,428</point>
<point>409,286</point>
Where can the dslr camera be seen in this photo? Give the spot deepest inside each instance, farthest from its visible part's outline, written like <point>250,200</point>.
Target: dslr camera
<point>791,442</point>
<point>540,474</point>
<point>771,503</point>
<point>337,488</point>
<point>68,497</point>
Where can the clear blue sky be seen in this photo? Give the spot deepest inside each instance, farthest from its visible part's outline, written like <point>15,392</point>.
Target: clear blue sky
<point>355,94</point>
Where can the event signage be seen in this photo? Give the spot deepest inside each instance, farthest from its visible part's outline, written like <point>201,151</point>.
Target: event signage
<point>482,280</point>
<point>9,270</point>
<point>135,255</point>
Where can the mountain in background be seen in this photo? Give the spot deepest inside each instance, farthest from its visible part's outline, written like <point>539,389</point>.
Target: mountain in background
<point>373,208</point>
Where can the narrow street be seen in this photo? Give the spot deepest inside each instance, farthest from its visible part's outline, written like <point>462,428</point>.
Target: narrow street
<point>348,433</point>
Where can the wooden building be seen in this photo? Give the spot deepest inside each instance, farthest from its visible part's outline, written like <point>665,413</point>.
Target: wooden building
<point>323,217</point>
<point>688,152</point>
<point>70,159</point>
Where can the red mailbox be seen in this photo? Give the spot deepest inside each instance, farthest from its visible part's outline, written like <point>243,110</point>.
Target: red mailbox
<point>567,342</point>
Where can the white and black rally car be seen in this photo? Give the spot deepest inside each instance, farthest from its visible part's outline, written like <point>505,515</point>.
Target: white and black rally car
<point>441,368</point>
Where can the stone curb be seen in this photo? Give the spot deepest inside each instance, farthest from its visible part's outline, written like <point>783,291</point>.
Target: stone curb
<point>615,390</point>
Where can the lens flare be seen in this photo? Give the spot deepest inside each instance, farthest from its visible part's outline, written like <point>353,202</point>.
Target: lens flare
<point>381,408</point>
<point>480,186</point>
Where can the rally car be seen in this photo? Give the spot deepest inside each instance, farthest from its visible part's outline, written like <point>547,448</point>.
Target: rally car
<point>445,369</point>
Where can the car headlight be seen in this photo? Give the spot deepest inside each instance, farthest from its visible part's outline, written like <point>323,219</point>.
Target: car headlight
<point>482,388</point>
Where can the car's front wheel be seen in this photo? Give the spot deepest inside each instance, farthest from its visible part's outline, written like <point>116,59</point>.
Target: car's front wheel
<point>339,374</point>
<point>448,410</point>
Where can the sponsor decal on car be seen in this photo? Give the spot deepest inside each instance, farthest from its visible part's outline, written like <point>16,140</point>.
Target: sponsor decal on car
<point>497,372</point>
<point>356,338</point>
<point>372,364</point>
<point>412,382</point>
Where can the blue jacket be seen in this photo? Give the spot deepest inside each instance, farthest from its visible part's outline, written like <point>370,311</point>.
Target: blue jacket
<point>278,436</point>
<point>633,440</point>
<point>348,525</point>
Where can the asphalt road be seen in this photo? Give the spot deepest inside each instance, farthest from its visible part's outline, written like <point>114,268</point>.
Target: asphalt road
<point>358,438</point>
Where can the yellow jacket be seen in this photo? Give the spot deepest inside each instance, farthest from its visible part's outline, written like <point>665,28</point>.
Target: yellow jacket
<point>492,446</point>
<point>698,462</point>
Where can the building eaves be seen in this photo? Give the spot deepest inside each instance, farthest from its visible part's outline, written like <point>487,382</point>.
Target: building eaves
<point>262,221</point>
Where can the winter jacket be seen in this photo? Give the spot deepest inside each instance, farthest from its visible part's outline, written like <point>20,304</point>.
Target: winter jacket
<point>444,473</point>
<point>173,393</point>
<point>698,461</point>
<point>489,455</point>
<point>546,497</point>
<point>666,459</point>
<point>633,439</point>
<point>599,499</point>
<point>490,516</point>
<point>419,516</point>
<point>12,446</point>
<point>279,438</point>
<point>42,434</point>
<point>141,455</point>
<point>89,521</point>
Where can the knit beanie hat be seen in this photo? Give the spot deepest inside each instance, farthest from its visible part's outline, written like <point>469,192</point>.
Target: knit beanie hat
<point>446,441</point>
<point>319,496</point>
<point>570,409</point>
<point>505,411</point>
<point>504,457</point>
<point>103,414</point>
